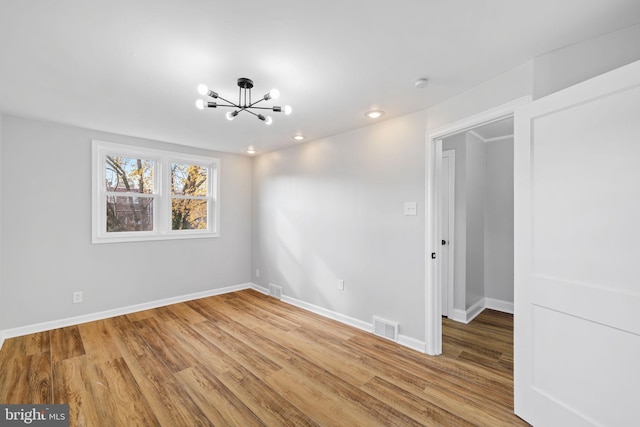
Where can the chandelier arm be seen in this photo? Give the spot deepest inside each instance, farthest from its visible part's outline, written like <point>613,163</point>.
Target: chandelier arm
<point>252,105</point>
<point>249,111</point>
<point>262,108</point>
<point>228,105</point>
<point>226,100</point>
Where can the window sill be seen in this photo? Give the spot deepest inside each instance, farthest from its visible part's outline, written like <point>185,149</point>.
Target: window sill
<point>98,240</point>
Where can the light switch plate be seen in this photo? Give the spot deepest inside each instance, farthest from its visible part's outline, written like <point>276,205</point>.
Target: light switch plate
<point>411,208</point>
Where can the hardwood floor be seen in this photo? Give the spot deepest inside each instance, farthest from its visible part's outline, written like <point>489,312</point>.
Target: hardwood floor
<point>246,359</point>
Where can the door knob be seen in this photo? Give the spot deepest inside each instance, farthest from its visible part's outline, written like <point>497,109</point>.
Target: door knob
<point>444,242</point>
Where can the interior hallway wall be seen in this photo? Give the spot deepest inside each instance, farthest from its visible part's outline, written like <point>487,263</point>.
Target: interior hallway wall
<point>498,239</point>
<point>483,237</point>
<point>476,193</point>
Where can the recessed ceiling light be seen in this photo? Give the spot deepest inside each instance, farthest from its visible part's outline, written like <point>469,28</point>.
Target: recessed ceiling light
<point>298,137</point>
<point>251,150</point>
<point>374,114</point>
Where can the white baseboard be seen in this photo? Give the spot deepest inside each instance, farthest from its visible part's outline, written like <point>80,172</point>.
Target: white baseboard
<point>499,305</point>
<point>459,315</point>
<point>474,310</point>
<point>347,320</point>
<point>412,343</point>
<point>54,324</point>
<point>466,316</point>
<point>403,340</point>
<point>260,289</point>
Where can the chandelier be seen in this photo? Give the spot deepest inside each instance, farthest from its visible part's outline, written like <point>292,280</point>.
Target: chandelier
<point>245,102</point>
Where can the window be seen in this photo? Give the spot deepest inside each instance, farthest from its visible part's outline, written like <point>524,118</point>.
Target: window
<point>129,193</point>
<point>189,198</point>
<point>147,194</point>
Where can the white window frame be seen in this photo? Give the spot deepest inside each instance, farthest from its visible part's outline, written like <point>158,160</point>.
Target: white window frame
<point>162,160</point>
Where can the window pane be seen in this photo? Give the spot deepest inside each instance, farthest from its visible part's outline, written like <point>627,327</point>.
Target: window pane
<point>188,180</point>
<point>129,213</point>
<point>124,174</point>
<point>188,214</point>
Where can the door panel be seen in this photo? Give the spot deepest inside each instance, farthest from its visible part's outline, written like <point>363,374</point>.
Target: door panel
<point>447,177</point>
<point>577,253</point>
<point>584,203</point>
<point>580,347</point>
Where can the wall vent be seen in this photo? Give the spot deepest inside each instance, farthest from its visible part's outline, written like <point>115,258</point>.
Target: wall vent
<point>275,291</point>
<point>385,328</point>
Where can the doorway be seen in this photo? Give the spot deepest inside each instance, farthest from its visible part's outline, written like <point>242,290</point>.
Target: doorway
<point>433,292</point>
<point>476,262</point>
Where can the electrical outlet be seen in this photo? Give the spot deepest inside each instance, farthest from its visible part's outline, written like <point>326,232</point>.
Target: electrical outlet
<point>257,272</point>
<point>341,285</point>
<point>77,297</point>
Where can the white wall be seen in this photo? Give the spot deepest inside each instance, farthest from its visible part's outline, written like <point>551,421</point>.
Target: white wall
<point>46,232</point>
<point>572,64</point>
<point>506,87</point>
<point>333,209</point>
<point>498,236</point>
<point>475,194</point>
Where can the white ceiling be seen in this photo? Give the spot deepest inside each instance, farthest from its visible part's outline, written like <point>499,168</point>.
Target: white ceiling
<point>132,66</point>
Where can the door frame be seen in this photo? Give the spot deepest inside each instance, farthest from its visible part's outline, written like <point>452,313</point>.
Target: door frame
<point>433,166</point>
<point>451,154</point>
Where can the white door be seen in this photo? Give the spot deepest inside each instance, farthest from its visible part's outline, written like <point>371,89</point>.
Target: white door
<point>577,254</point>
<point>447,206</point>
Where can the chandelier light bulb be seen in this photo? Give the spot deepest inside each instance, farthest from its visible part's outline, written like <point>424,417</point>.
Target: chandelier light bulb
<point>231,115</point>
<point>274,93</point>
<point>268,120</point>
<point>200,104</point>
<point>287,109</point>
<point>203,89</point>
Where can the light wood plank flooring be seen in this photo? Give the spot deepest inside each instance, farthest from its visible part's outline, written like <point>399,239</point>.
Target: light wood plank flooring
<point>245,359</point>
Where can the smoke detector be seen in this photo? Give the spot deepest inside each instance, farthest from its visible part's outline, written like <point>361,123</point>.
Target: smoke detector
<point>421,83</point>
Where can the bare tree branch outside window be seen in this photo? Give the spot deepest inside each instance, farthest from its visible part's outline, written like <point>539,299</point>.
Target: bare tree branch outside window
<point>128,183</point>
<point>189,205</point>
